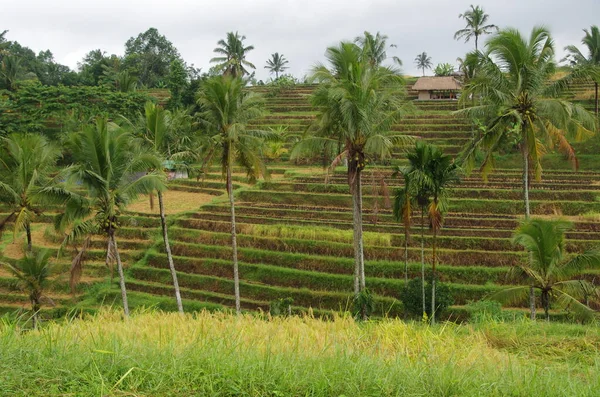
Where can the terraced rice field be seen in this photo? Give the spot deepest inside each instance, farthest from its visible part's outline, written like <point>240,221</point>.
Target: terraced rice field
<point>295,230</point>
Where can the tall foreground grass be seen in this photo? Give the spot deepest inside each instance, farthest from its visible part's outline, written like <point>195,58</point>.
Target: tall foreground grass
<point>156,354</point>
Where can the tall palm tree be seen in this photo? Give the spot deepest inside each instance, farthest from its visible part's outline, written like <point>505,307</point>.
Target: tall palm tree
<point>33,273</point>
<point>514,98</point>
<point>476,20</point>
<point>158,132</point>
<point>441,173</point>
<point>550,269</point>
<point>110,165</point>
<point>228,108</point>
<point>423,62</point>
<point>373,46</point>
<point>10,69</point>
<point>26,185</point>
<point>590,65</point>
<point>276,64</point>
<point>233,55</point>
<point>357,105</point>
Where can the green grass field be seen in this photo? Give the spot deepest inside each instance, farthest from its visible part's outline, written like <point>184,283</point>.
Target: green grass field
<point>217,354</point>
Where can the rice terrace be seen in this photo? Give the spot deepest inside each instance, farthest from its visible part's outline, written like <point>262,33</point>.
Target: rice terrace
<point>379,226</point>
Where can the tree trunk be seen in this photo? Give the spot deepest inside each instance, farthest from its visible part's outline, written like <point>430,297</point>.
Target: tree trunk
<point>28,233</point>
<point>163,224</point>
<point>433,279</point>
<point>405,257</point>
<point>423,259</point>
<point>359,271</point>
<point>532,302</point>
<point>476,41</point>
<point>546,304</point>
<point>236,274</point>
<point>121,275</point>
<point>596,97</point>
<point>35,307</point>
<point>526,178</point>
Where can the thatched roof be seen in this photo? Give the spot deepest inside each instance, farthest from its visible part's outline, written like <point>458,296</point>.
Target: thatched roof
<point>448,83</point>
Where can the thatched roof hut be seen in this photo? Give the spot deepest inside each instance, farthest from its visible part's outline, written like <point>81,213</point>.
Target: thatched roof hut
<point>443,87</point>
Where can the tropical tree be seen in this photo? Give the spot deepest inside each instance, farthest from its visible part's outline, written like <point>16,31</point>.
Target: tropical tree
<point>515,100</point>
<point>476,20</point>
<point>227,109</point>
<point>33,273</point>
<point>107,163</point>
<point>589,65</point>
<point>26,184</point>
<point>374,48</point>
<point>233,55</point>
<point>157,129</point>
<point>357,105</point>
<point>441,172</point>
<point>276,64</point>
<point>443,69</point>
<point>10,70</point>
<point>549,269</point>
<point>423,62</point>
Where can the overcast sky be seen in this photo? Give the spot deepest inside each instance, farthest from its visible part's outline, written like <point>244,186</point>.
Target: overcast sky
<point>301,30</point>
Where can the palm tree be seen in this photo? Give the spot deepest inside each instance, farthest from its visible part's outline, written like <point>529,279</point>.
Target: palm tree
<point>441,172</point>
<point>158,133</point>
<point>276,64</point>
<point>10,69</point>
<point>228,108</point>
<point>26,185</point>
<point>515,99</point>
<point>111,167</point>
<point>233,57</point>
<point>357,104</point>
<point>476,20</point>
<point>33,272</point>
<point>550,269</point>
<point>590,65</point>
<point>374,47</point>
<point>423,62</point>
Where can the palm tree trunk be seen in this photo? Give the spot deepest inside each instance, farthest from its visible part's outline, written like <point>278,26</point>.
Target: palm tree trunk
<point>35,307</point>
<point>596,97</point>
<point>527,213</point>
<point>423,259</point>
<point>433,279</point>
<point>476,41</point>
<point>236,274</point>
<point>405,257</point>
<point>163,224</point>
<point>359,266</point>
<point>121,275</point>
<point>28,233</point>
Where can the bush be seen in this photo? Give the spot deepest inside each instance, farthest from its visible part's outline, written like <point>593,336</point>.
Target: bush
<point>281,307</point>
<point>362,305</point>
<point>411,297</point>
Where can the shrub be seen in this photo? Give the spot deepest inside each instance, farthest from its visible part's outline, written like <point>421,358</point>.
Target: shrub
<point>411,297</point>
<point>281,307</point>
<point>362,305</point>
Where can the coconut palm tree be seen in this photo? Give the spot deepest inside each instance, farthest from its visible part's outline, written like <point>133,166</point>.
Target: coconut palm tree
<point>157,129</point>
<point>110,165</point>
<point>357,105</point>
<point>423,62</point>
<point>590,65</point>
<point>26,185</point>
<point>374,47</point>
<point>276,64</point>
<point>33,273</point>
<point>441,173</point>
<point>516,99</point>
<point>476,20</point>
<point>10,70</point>
<point>549,268</point>
<point>233,59</point>
<point>228,108</point>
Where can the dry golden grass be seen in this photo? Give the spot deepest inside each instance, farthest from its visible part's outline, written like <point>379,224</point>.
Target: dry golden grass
<point>13,248</point>
<point>175,202</point>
